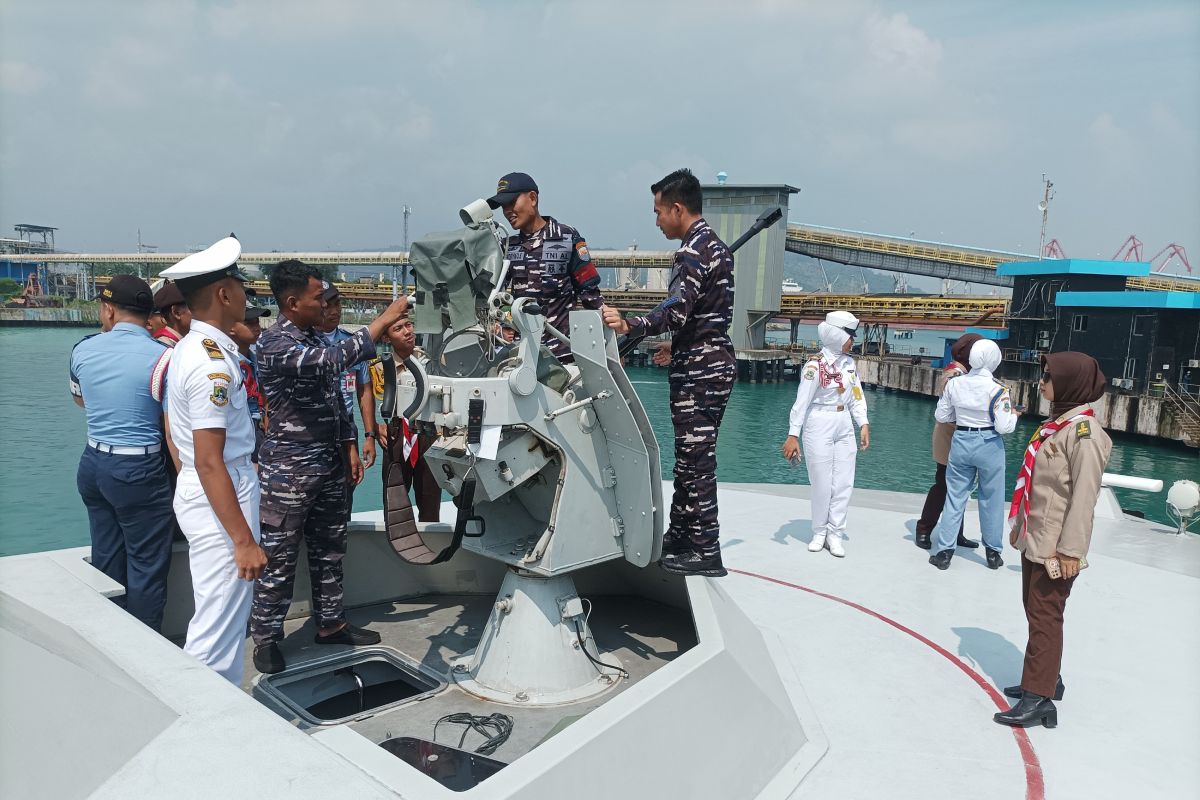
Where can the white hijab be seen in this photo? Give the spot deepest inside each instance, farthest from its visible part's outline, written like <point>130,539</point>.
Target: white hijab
<point>985,357</point>
<point>833,339</point>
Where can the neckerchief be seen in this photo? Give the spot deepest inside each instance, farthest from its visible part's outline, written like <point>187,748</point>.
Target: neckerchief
<point>830,374</point>
<point>1020,499</point>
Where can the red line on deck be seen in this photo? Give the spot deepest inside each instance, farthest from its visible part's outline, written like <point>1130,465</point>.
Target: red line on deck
<point>1035,787</point>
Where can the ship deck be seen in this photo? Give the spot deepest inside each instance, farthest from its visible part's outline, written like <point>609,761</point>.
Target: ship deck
<point>901,664</point>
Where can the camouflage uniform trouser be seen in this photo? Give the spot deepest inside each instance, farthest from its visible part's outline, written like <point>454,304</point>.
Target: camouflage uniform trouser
<point>697,406</point>
<point>312,507</point>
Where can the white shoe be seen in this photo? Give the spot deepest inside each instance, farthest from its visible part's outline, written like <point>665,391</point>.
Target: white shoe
<point>834,543</point>
<point>817,544</point>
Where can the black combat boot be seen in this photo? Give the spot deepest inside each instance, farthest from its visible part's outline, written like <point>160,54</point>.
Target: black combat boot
<point>1031,709</point>
<point>705,562</point>
<point>349,634</point>
<point>965,542</point>
<point>994,559</point>
<point>268,659</point>
<point>1015,692</point>
<point>942,560</point>
<point>922,540</point>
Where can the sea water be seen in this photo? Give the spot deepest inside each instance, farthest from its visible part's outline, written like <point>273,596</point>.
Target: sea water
<point>42,434</point>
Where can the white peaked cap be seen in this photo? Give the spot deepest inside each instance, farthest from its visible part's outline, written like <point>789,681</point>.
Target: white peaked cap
<point>842,319</point>
<point>208,266</point>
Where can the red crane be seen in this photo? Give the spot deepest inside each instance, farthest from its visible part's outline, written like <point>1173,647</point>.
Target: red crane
<point>1130,250</point>
<point>1171,251</point>
<point>1053,249</point>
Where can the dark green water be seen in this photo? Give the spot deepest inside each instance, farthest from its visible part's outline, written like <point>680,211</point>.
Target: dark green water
<point>42,435</point>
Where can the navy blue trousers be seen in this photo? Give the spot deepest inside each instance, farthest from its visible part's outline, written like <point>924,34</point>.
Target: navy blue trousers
<point>128,501</point>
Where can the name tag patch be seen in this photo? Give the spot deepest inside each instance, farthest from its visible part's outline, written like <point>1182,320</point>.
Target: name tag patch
<point>516,253</point>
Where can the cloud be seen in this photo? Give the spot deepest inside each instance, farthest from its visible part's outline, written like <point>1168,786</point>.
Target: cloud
<point>22,78</point>
<point>901,48</point>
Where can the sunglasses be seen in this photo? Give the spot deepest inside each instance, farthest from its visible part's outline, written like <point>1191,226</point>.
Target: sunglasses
<point>1045,377</point>
<point>850,331</point>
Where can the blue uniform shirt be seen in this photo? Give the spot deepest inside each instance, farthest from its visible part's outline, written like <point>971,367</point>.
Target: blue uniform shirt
<point>356,376</point>
<point>115,374</point>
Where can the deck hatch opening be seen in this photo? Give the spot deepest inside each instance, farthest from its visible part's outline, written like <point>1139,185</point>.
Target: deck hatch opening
<point>349,686</point>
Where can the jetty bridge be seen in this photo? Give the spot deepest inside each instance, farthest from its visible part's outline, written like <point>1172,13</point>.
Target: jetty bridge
<point>841,246</point>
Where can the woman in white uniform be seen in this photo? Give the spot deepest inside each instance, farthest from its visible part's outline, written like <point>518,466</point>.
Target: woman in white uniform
<point>829,404</point>
<point>982,412</point>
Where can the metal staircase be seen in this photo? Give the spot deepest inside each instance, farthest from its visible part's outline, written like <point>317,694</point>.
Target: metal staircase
<point>1186,407</point>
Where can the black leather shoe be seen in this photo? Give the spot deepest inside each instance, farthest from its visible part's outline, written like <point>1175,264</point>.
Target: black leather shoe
<point>994,559</point>
<point>349,634</point>
<point>268,659</point>
<point>693,563</point>
<point>922,540</point>
<point>965,542</point>
<point>1031,709</point>
<point>942,560</point>
<point>1015,692</point>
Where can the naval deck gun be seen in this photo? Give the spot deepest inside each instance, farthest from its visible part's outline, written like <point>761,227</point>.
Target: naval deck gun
<point>553,467</point>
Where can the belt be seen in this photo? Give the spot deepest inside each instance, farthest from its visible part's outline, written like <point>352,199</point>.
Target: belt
<point>827,407</point>
<point>120,450</point>
<point>965,428</point>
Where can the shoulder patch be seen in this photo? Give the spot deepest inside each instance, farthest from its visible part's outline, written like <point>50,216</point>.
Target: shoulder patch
<point>214,352</point>
<point>582,249</point>
<point>810,374</point>
<point>220,394</point>
<point>213,376</point>
<point>1083,430</point>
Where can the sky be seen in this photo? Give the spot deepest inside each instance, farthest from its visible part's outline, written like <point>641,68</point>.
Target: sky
<point>310,124</point>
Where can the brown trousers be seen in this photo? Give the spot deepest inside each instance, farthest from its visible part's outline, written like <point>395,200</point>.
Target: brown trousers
<point>428,493</point>
<point>1045,600</point>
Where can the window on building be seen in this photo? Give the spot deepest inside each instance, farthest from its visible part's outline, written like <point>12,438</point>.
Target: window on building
<point>1141,325</point>
<point>1079,323</point>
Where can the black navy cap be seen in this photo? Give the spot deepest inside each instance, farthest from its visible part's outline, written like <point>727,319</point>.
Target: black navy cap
<point>328,291</point>
<point>129,291</point>
<point>256,312</point>
<point>169,295</point>
<point>511,185</point>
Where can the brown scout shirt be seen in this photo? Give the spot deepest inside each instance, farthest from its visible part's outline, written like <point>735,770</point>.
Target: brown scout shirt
<point>1066,481</point>
<point>943,432</point>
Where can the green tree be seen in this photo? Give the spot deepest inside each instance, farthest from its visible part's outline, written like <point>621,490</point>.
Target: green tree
<point>9,287</point>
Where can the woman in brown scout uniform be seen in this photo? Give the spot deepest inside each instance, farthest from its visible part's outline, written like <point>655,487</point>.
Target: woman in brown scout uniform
<point>1051,516</point>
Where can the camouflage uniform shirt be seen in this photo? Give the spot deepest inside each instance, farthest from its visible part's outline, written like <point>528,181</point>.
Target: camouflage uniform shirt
<point>307,417</point>
<point>699,305</point>
<point>554,266</point>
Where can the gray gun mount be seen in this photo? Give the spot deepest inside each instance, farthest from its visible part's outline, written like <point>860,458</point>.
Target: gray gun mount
<point>575,478</point>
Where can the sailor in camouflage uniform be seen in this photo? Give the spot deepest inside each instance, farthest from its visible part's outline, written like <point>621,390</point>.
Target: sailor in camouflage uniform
<point>304,460</point>
<point>698,310</point>
<point>549,261</point>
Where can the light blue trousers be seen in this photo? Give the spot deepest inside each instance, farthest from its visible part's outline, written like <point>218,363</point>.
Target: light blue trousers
<point>972,454</point>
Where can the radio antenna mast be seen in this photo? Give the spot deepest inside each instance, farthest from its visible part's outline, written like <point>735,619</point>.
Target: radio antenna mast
<point>1044,207</point>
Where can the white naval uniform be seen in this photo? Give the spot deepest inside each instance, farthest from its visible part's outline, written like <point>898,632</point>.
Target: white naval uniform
<point>207,390</point>
<point>826,412</point>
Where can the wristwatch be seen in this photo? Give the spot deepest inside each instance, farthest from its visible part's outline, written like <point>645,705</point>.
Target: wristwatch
<point>371,435</point>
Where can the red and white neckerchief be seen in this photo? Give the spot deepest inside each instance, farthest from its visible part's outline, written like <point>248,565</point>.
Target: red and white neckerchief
<point>830,374</point>
<point>411,454</point>
<point>1020,498</point>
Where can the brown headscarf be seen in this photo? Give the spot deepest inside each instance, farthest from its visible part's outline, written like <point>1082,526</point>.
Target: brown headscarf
<point>1076,378</point>
<point>960,351</point>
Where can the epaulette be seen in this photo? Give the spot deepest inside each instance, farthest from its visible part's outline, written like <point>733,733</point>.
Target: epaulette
<point>1083,430</point>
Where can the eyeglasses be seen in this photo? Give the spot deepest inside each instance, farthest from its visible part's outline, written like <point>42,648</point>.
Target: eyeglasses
<point>1045,377</point>
<point>850,331</point>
